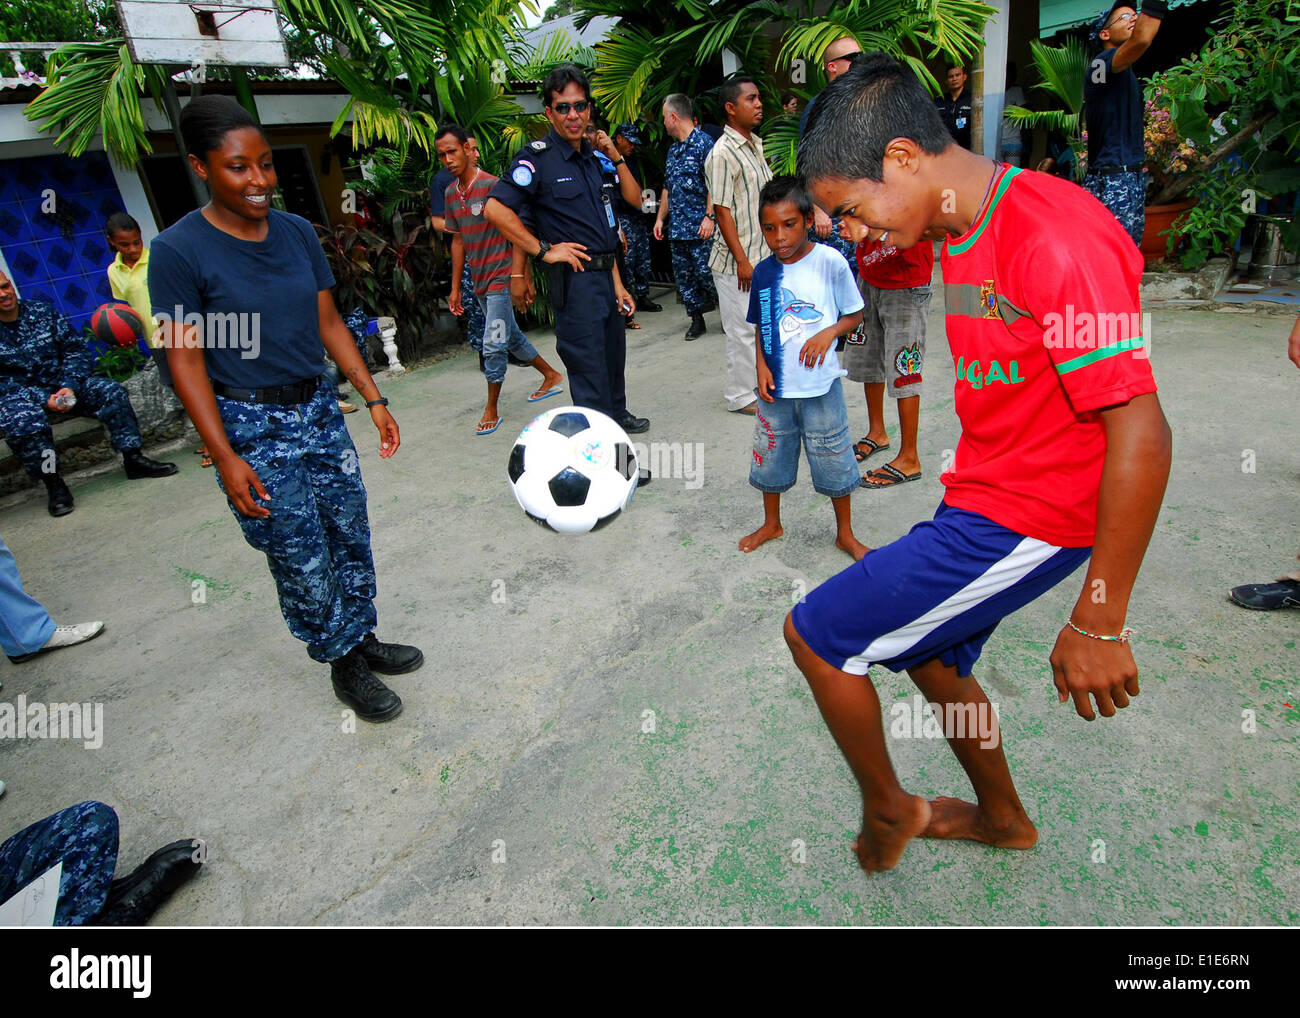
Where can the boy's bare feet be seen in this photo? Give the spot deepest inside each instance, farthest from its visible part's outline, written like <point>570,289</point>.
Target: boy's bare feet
<point>767,532</point>
<point>956,818</point>
<point>852,545</point>
<point>886,832</point>
<point>549,382</point>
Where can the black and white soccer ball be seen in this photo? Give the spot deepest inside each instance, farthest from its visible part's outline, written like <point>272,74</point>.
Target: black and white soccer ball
<point>573,470</point>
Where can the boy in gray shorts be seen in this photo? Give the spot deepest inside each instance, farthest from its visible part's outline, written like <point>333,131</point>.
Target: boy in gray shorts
<point>889,351</point>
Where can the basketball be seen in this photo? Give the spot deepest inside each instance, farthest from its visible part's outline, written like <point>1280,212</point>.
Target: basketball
<point>116,323</point>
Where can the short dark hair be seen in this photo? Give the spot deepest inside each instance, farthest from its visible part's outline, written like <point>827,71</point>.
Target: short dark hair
<point>455,130</point>
<point>875,101</point>
<point>785,188</point>
<point>562,77</point>
<point>205,121</point>
<point>729,92</point>
<point>123,221</point>
<point>954,66</point>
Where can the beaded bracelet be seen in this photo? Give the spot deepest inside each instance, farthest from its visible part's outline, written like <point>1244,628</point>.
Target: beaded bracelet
<point>1122,638</point>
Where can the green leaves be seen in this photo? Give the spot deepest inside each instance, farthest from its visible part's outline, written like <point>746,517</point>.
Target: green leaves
<point>94,88</point>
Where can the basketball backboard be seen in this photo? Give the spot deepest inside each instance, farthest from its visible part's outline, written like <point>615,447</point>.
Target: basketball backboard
<point>225,33</point>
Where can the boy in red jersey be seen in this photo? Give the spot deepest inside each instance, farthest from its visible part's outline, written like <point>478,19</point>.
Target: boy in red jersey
<point>1063,458</point>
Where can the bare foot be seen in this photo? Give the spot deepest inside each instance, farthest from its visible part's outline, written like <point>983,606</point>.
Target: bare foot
<point>767,532</point>
<point>956,818</point>
<point>548,382</point>
<point>885,834</point>
<point>853,546</point>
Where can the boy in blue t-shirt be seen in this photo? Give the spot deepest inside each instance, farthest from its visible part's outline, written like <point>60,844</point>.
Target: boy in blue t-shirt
<point>801,300</point>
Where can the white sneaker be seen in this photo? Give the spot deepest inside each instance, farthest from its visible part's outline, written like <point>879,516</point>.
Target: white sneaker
<point>65,636</point>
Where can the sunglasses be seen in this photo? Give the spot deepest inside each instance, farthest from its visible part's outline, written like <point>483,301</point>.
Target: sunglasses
<point>838,60</point>
<point>581,106</point>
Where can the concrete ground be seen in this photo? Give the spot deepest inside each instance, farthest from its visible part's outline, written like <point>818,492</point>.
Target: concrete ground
<point>527,780</point>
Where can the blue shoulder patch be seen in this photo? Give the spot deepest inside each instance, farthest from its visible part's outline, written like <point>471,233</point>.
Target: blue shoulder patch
<point>522,175</point>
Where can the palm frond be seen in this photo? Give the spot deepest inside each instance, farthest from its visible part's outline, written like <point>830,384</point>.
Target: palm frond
<point>94,88</point>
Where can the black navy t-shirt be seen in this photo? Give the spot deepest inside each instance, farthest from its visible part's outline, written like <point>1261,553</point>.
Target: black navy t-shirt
<point>438,191</point>
<point>1112,110</point>
<point>256,300</point>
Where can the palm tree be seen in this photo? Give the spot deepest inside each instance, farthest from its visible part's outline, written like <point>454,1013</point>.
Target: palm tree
<point>1061,70</point>
<point>387,53</point>
<point>904,29</point>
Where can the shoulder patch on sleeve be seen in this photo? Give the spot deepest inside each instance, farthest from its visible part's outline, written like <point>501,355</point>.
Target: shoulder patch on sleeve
<point>538,146</point>
<point>521,174</point>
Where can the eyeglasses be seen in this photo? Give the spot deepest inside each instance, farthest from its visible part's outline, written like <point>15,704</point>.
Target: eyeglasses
<point>581,106</point>
<point>1130,16</point>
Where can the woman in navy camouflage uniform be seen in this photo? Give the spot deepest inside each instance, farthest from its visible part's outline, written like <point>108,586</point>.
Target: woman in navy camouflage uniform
<point>238,268</point>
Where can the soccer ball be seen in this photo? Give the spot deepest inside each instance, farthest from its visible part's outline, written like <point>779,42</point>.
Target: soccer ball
<point>573,470</point>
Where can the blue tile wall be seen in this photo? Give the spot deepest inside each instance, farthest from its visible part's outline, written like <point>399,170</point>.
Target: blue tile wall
<point>61,258</point>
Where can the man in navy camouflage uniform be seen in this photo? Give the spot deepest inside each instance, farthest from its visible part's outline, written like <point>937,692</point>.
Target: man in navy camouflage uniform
<point>631,220</point>
<point>685,203</point>
<point>41,357</point>
<point>83,838</point>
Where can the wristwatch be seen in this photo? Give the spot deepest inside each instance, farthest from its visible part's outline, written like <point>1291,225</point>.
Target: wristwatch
<point>542,248</point>
<point>376,402</point>
<point>618,163</point>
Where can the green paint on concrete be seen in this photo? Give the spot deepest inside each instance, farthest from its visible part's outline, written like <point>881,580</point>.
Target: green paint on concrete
<point>1203,829</point>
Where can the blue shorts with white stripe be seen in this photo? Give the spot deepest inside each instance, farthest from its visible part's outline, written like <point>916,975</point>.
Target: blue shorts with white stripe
<point>938,592</point>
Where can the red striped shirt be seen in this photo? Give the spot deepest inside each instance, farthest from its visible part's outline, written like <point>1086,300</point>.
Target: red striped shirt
<point>488,252</point>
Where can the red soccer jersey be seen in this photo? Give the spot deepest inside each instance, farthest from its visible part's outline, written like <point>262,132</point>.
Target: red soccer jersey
<point>1043,320</point>
<point>889,268</point>
<point>487,252</point>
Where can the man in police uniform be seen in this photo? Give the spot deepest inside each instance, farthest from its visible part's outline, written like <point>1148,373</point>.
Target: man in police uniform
<point>955,106</point>
<point>556,183</point>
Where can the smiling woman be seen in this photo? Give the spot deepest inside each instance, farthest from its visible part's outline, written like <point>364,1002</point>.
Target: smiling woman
<point>271,421</point>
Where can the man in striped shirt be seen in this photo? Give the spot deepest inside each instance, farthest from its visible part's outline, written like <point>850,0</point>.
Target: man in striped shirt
<point>493,261</point>
<point>736,172</point>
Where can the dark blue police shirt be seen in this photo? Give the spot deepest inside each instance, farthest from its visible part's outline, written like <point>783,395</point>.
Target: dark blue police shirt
<point>561,188</point>
<point>1112,110</point>
<point>438,191</point>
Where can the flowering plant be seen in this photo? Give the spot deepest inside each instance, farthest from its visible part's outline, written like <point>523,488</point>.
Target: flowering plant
<point>1168,153</point>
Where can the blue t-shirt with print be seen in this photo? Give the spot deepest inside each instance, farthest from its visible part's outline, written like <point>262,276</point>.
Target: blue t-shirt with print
<point>791,303</point>
<point>257,300</point>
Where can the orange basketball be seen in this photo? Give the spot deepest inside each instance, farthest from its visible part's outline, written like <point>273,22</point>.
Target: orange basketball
<point>116,323</point>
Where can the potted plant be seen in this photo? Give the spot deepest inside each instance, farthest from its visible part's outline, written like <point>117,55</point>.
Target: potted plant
<point>1232,136</point>
<point>1169,155</point>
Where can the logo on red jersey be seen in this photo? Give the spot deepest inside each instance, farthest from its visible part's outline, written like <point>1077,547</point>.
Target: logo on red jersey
<point>989,299</point>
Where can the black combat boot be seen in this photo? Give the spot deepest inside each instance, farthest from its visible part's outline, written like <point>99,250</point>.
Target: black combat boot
<point>697,326</point>
<point>355,684</point>
<point>60,496</point>
<point>139,465</point>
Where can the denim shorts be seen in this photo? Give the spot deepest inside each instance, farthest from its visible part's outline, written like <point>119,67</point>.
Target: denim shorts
<point>821,423</point>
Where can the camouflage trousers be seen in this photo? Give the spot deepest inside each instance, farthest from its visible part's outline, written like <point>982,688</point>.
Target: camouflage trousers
<point>1125,195</point>
<point>27,429</point>
<point>317,537</point>
<point>84,839</point>
<point>691,271</point>
<point>637,279</point>
<point>845,247</point>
